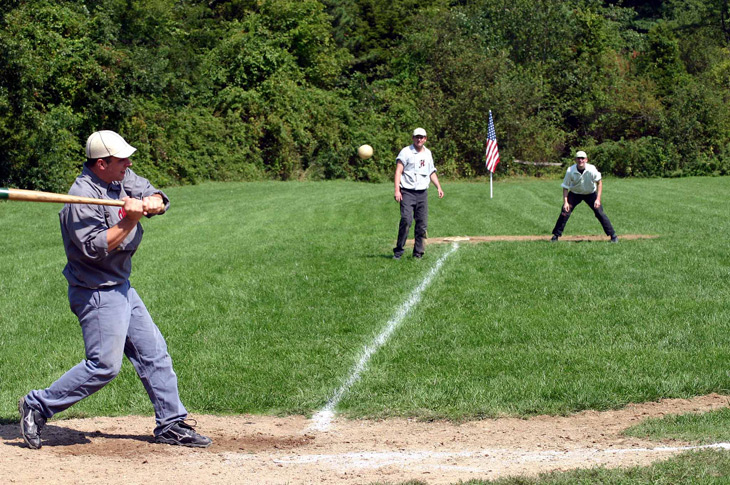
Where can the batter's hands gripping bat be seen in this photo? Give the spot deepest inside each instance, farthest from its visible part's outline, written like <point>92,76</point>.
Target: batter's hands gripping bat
<point>36,196</point>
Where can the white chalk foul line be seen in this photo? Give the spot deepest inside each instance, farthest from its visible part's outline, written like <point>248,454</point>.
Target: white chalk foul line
<point>322,420</point>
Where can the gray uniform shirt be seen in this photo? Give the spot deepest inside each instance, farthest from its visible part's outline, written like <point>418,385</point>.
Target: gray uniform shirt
<point>417,168</point>
<point>84,226</point>
<point>581,183</point>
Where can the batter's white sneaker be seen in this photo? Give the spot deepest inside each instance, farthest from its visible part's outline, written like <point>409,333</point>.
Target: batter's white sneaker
<point>182,434</point>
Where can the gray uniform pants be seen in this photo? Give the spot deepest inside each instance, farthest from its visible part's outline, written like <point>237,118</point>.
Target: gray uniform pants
<point>115,322</point>
<point>414,203</point>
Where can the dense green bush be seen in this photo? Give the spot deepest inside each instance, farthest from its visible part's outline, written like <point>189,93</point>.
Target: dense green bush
<point>246,90</point>
<point>644,157</point>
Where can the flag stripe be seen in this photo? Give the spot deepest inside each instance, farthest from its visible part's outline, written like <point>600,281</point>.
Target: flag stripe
<point>492,152</point>
<point>492,156</point>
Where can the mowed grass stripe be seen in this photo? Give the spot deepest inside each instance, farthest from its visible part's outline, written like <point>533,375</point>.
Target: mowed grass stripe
<point>267,292</point>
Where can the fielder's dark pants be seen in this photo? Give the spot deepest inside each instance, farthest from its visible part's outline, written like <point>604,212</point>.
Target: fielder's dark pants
<point>590,199</point>
<point>414,203</point>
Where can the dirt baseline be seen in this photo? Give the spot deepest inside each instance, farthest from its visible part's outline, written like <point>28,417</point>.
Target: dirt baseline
<point>483,239</point>
<point>269,450</point>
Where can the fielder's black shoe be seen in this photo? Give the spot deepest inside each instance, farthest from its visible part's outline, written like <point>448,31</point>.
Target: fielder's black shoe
<point>396,256</point>
<point>417,255</point>
<point>614,238</point>
<point>554,238</point>
<point>31,424</point>
<point>181,433</point>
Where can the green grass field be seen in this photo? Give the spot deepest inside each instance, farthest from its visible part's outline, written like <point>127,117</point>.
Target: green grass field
<point>267,293</point>
<point>696,468</point>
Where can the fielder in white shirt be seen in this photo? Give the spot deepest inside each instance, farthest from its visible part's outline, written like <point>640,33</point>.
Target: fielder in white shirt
<point>414,173</point>
<point>582,182</point>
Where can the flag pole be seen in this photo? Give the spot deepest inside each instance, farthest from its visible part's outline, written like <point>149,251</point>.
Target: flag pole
<point>490,185</point>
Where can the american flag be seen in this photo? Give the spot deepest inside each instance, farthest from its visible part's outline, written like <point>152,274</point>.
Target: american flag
<point>492,155</point>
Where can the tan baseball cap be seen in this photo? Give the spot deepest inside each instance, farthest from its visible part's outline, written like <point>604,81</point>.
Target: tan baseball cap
<point>580,154</point>
<point>107,143</point>
<point>419,132</point>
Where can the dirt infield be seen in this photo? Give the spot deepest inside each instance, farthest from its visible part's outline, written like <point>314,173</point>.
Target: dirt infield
<point>483,239</point>
<point>261,449</point>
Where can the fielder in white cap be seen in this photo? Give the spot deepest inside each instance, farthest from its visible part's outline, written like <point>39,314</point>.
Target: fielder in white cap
<point>100,242</point>
<point>414,172</point>
<point>582,183</point>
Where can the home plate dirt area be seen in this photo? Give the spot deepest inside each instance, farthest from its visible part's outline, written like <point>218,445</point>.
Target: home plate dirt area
<point>269,450</point>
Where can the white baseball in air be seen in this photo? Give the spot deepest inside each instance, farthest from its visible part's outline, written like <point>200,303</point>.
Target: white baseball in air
<point>365,152</point>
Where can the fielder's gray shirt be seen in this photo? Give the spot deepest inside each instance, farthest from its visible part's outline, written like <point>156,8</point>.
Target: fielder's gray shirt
<point>581,183</point>
<point>84,226</point>
<point>417,168</point>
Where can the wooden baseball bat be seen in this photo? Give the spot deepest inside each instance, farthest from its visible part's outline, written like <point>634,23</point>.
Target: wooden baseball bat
<point>37,196</point>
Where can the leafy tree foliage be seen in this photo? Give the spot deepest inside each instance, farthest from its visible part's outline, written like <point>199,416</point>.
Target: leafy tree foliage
<point>251,89</point>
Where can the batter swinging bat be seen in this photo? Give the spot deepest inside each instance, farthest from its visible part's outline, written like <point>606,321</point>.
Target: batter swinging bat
<point>36,196</point>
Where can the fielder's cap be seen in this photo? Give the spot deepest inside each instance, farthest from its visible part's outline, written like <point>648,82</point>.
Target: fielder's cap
<point>580,154</point>
<point>419,132</point>
<point>106,143</point>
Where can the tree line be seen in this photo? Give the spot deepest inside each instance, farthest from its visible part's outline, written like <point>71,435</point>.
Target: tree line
<point>287,89</point>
